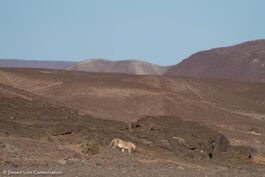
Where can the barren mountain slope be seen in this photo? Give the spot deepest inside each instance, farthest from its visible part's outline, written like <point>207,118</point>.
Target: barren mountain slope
<point>245,62</point>
<point>237,109</point>
<point>124,66</point>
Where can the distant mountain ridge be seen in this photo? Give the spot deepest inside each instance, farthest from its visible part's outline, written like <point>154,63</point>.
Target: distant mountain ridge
<point>244,62</point>
<point>124,66</point>
<point>16,63</point>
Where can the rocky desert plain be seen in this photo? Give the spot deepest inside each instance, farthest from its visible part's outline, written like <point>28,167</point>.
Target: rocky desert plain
<point>61,123</point>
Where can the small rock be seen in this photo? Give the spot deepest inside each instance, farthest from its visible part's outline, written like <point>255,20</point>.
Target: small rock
<point>180,168</point>
<point>62,161</point>
<point>221,144</point>
<point>165,143</point>
<point>10,148</point>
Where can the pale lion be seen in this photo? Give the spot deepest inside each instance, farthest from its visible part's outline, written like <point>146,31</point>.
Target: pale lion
<point>123,144</point>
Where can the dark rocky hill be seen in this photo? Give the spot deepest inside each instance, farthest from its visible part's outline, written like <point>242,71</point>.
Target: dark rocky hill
<point>244,62</point>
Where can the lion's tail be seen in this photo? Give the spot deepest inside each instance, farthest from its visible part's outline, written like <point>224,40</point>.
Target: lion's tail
<point>112,143</point>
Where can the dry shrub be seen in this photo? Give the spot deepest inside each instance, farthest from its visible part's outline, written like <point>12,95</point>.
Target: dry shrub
<point>90,147</point>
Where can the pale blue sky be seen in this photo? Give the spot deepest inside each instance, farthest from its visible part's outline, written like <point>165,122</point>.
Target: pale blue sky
<point>159,31</point>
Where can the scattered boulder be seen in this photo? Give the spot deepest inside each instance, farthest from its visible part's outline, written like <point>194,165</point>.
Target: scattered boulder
<point>60,130</point>
<point>187,139</point>
<point>221,144</point>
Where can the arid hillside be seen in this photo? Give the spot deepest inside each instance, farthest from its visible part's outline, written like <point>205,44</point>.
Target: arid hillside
<point>37,135</point>
<point>125,66</point>
<point>244,62</point>
<point>236,109</point>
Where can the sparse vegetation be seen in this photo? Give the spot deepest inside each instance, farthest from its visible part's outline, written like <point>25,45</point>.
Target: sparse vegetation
<point>91,147</point>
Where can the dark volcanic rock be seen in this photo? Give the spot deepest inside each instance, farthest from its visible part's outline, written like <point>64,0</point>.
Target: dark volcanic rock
<point>188,140</point>
<point>221,144</point>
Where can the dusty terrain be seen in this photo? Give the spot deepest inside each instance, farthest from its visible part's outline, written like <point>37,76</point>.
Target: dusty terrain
<point>64,121</point>
<point>245,62</point>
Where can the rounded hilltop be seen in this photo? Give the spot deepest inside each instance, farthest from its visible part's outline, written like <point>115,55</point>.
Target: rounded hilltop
<point>100,65</point>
